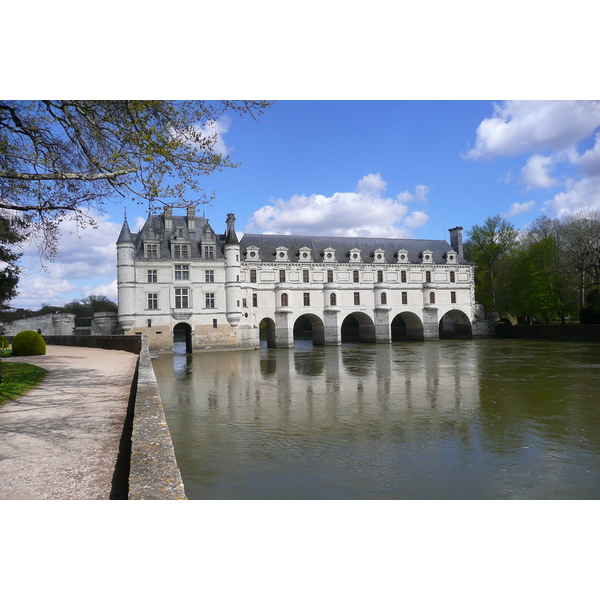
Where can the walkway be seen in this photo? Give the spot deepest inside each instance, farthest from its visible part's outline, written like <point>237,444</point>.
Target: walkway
<point>61,440</point>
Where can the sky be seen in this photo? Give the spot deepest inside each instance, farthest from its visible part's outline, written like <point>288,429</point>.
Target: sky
<point>371,168</point>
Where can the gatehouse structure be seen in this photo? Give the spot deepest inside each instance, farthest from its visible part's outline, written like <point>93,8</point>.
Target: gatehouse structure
<point>179,280</point>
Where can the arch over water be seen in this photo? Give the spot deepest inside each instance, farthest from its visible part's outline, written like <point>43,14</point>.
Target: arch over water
<point>182,338</point>
<point>406,326</point>
<point>266,329</point>
<point>309,326</point>
<point>455,325</point>
<point>358,327</point>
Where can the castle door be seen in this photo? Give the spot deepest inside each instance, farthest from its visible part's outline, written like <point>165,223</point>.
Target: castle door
<point>182,338</point>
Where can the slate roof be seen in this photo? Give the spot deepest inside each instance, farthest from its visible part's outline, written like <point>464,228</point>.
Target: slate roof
<point>343,245</point>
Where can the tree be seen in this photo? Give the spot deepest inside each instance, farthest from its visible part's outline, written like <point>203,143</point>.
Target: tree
<point>61,158</point>
<point>10,235</point>
<point>489,245</point>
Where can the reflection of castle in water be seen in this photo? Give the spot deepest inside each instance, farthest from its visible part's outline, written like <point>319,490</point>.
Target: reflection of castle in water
<point>352,387</point>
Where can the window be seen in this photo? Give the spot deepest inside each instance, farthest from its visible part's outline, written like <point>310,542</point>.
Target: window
<point>329,276</point>
<point>404,298</point>
<point>403,276</point>
<point>209,252</point>
<point>252,275</point>
<point>284,299</point>
<point>209,276</point>
<point>182,272</point>
<point>244,304</point>
<point>306,299</point>
<point>255,300</point>
<point>432,298</point>
<point>152,301</point>
<point>281,275</point>
<point>428,276</point>
<point>383,298</point>
<point>180,251</point>
<point>355,276</point>
<point>182,298</point>
<point>152,276</point>
<point>305,276</point>
<point>379,276</point>
<point>149,322</point>
<point>214,323</point>
<point>209,300</point>
<point>452,277</point>
<point>356,298</point>
<point>453,297</point>
<point>333,299</point>
<point>151,250</point>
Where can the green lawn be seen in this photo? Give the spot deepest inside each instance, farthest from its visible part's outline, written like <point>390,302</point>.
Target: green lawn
<point>18,378</point>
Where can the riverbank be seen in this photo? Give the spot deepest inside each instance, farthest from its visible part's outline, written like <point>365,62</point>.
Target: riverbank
<point>569,331</point>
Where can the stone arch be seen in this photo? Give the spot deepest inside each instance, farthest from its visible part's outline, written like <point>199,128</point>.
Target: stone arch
<point>406,326</point>
<point>455,324</point>
<point>266,329</point>
<point>358,327</point>
<point>182,338</point>
<point>309,326</point>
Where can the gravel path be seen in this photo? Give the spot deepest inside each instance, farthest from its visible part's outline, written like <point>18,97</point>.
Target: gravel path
<point>61,440</point>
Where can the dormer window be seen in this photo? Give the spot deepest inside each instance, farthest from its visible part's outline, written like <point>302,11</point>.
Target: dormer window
<point>304,254</point>
<point>426,256</point>
<point>180,251</point>
<point>208,251</point>
<point>379,256</point>
<point>355,255</point>
<point>151,250</point>
<point>252,254</point>
<point>329,255</point>
<point>451,257</point>
<point>281,254</point>
<point>402,256</point>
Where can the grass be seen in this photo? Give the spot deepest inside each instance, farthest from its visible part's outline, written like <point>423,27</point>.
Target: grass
<point>18,378</point>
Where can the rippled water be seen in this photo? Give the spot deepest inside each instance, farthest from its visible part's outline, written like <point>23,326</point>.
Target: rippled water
<point>478,419</point>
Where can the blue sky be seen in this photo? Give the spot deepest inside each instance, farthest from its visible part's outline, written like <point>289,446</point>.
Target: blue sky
<point>370,168</point>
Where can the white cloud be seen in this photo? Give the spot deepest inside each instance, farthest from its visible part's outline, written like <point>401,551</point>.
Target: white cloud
<point>217,129</point>
<point>524,126</point>
<point>589,161</point>
<point>582,194</point>
<point>535,174</point>
<point>363,213</point>
<point>419,195</point>
<point>519,208</point>
<point>86,264</point>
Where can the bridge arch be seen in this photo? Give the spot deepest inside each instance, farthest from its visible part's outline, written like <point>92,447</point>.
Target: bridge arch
<point>267,331</point>
<point>309,326</point>
<point>406,326</point>
<point>455,324</point>
<point>358,327</point>
<point>182,338</point>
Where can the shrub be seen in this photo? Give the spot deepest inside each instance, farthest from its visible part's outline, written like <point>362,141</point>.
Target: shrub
<point>4,342</point>
<point>28,343</point>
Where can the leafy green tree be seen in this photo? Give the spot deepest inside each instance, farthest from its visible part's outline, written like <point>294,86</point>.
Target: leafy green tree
<point>61,158</point>
<point>488,247</point>
<point>10,236</point>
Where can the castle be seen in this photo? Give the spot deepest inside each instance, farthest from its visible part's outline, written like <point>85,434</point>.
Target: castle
<point>178,279</point>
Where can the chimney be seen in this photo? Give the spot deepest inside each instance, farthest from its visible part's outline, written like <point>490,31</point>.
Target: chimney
<point>191,218</point>
<point>168,218</point>
<point>456,239</point>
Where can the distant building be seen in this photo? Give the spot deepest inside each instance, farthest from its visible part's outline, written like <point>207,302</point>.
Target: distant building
<point>177,278</point>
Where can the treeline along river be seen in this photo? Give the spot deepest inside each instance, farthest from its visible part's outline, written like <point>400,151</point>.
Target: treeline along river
<point>481,419</point>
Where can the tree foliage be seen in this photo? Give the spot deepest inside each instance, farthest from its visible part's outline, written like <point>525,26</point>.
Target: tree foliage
<point>10,236</point>
<point>62,158</point>
<point>549,271</point>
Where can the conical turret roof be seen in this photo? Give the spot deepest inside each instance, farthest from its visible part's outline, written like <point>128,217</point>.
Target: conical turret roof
<point>125,236</point>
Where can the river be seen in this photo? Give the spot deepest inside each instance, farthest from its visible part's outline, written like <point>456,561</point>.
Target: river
<point>450,419</point>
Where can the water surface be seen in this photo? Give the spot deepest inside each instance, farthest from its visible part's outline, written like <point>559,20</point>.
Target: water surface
<point>483,419</point>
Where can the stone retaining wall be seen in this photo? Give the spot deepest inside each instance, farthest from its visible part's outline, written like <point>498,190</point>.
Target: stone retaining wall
<point>154,474</point>
<point>128,343</point>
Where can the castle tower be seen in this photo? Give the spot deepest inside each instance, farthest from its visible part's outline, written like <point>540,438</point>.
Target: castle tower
<point>232,273</point>
<point>126,278</point>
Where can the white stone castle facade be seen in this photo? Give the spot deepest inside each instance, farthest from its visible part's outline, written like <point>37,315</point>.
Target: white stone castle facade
<point>178,277</point>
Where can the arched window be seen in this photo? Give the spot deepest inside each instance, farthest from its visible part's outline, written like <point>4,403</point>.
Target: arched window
<point>432,298</point>
<point>332,299</point>
<point>284,299</point>
<point>383,298</point>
